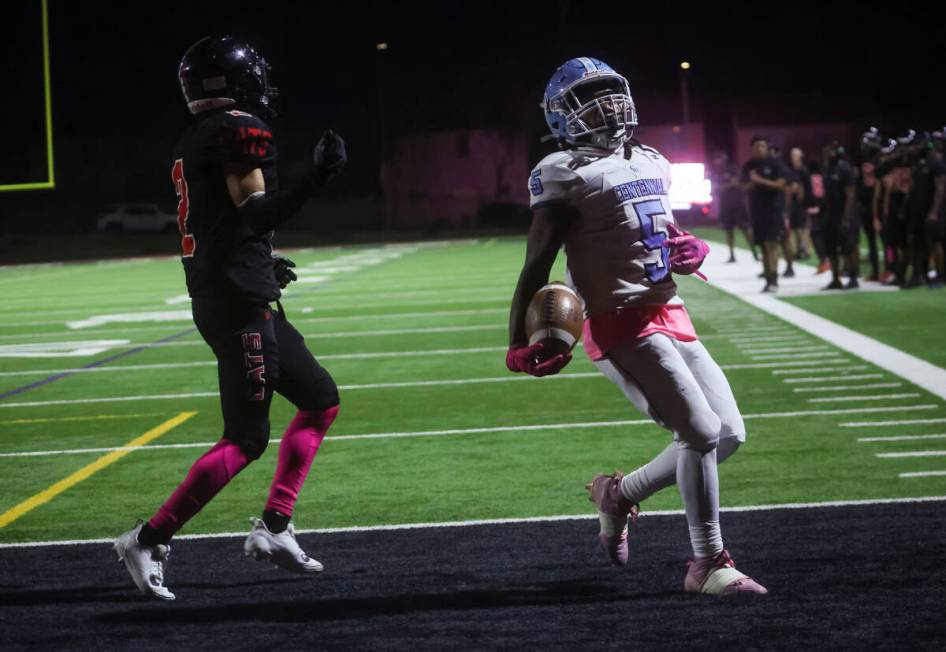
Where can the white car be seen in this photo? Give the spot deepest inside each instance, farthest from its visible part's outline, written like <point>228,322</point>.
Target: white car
<point>136,217</point>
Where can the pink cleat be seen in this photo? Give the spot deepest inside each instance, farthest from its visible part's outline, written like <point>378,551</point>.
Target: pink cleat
<point>613,510</point>
<point>718,576</point>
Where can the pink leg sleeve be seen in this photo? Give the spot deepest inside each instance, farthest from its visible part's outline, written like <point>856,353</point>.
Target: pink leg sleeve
<point>299,445</point>
<point>209,474</point>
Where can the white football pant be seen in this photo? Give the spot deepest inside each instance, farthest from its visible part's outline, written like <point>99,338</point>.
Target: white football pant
<point>680,386</point>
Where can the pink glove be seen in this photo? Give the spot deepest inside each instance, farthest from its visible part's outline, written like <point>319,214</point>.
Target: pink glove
<point>529,359</point>
<point>686,251</point>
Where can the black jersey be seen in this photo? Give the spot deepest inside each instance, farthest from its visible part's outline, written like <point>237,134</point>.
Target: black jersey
<point>764,201</point>
<point>222,255</point>
<point>925,172</point>
<point>838,177</point>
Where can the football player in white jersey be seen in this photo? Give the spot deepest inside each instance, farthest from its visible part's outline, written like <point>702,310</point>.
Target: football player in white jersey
<point>604,197</point>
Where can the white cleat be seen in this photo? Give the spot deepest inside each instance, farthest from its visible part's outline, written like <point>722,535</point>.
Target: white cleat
<point>145,564</point>
<point>281,549</point>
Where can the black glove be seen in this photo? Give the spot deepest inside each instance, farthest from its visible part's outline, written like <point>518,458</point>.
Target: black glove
<point>264,212</point>
<point>329,156</point>
<point>282,268</point>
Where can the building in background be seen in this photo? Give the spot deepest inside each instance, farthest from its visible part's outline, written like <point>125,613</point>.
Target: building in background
<point>459,179</point>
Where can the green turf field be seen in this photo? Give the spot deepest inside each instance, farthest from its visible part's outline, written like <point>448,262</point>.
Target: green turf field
<point>910,320</point>
<point>391,324</point>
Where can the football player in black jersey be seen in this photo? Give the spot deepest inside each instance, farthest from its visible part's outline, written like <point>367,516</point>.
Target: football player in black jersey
<point>764,182</point>
<point>840,223</point>
<point>229,203</point>
<point>923,209</point>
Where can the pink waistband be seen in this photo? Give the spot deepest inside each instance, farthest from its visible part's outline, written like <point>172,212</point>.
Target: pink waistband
<point>605,330</point>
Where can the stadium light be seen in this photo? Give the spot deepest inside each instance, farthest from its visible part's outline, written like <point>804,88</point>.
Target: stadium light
<point>684,65</point>
<point>690,186</point>
<point>381,46</point>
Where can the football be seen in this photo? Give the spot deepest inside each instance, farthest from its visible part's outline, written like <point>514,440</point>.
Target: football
<point>555,316</point>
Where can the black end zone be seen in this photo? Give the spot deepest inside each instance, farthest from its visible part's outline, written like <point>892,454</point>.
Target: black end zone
<point>866,577</point>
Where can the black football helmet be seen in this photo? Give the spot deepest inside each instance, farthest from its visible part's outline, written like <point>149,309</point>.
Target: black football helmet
<point>221,70</point>
<point>871,141</point>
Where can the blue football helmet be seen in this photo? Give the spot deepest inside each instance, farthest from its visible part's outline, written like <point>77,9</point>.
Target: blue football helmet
<point>587,103</point>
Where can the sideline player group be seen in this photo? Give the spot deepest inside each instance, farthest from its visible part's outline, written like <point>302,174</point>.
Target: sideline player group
<point>603,197</point>
<point>893,191</point>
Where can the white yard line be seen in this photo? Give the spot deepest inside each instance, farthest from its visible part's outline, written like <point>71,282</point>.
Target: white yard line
<point>786,349</point>
<point>468,431</point>
<point>146,304</point>
<point>881,424</point>
<point>838,388</point>
<point>901,438</point>
<point>793,342</point>
<point>762,330</point>
<point>293,310</point>
<point>406,331</point>
<point>471,381</point>
<point>824,379</point>
<point>128,367</point>
<point>911,454</point>
<point>771,365</point>
<point>923,474</point>
<point>196,341</point>
<point>848,367</point>
<point>394,315</point>
<point>328,356</point>
<point>421,353</point>
<point>342,356</point>
<point>877,397</point>
<point>419,383</point>
<point>770,338</point>
<point>779,356</point>
<point>167,322</point>
<point>738,509</point>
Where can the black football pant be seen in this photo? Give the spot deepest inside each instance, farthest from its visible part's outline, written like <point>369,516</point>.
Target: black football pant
<point>258,352</point>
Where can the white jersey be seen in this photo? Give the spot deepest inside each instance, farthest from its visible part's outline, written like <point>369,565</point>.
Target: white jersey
<point>615,253</point>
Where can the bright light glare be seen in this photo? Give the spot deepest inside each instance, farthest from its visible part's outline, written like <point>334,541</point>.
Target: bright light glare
<point>689,185</point>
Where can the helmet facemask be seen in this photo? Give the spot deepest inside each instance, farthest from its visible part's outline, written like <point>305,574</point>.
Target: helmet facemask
<point>598,112</point>
<point>268,92</point>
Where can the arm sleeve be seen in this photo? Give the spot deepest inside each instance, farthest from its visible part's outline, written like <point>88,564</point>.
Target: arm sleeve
<point>247,142</point>
<point>552,184</point>
<point>264,211</point>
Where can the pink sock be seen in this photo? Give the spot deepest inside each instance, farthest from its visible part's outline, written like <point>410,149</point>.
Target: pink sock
<point>209,474</point>
<point>299,445</point>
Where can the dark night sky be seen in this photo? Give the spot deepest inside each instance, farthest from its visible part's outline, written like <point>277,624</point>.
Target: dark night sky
<point>480,63</point>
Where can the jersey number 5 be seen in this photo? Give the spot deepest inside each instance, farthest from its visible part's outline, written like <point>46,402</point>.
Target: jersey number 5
<point>535,183</point>
<point>188,244</point>
<point>647,213</point>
